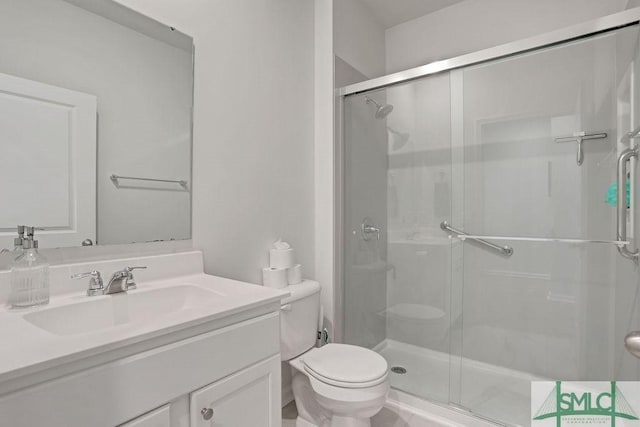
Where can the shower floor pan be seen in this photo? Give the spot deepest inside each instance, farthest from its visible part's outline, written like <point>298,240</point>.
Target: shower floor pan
<point>491,392</point>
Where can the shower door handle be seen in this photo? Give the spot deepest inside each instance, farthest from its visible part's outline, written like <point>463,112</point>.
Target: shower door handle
<point>506,251</point>
<point>621,205</point>
<point>632,343</point>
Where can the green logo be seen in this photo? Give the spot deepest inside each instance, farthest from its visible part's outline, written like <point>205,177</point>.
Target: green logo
<point>610,404</point>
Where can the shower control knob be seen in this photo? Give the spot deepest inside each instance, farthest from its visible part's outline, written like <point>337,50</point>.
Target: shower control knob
<point>368,228</point>
<point>207,413</point>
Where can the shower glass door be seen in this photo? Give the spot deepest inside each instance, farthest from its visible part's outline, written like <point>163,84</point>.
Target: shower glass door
<point>398,286</point>
<point>548,311</point>
<point>480,224</point>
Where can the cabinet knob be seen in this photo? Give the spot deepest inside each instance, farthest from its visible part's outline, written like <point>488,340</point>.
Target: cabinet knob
<point>207,413</point>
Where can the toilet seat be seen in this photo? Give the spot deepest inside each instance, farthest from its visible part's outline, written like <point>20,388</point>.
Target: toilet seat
<point>346,366</point>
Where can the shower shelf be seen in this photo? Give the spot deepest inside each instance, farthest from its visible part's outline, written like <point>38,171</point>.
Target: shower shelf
<point>541,239</point>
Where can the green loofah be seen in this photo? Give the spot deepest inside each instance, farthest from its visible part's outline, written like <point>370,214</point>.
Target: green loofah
<point>612,194</point>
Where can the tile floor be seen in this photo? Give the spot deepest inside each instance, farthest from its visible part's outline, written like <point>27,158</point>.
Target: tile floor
<point>289,415</point>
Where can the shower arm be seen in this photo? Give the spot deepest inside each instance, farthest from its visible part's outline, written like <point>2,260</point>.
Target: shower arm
<point>368,100</point>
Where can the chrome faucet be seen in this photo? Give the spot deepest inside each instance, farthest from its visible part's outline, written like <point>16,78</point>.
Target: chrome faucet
<point>117,283</point>
<point>121,281</point>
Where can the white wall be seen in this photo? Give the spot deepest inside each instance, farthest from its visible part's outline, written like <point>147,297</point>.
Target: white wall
<point>324,157</point>
<point>359,38</point>
<point>143,87</point>
<point>253,128</point>
<point>478,24</point>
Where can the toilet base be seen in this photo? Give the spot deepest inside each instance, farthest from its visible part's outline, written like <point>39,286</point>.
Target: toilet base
<point>301,422</point>
<point>336,421</point>
<point>313,409</point>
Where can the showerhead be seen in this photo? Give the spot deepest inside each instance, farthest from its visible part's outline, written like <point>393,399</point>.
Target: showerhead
<point>398,139</point>
<point>382,111</point>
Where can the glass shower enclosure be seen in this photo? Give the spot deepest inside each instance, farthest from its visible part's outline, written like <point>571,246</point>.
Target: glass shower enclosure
<point>479,214</point>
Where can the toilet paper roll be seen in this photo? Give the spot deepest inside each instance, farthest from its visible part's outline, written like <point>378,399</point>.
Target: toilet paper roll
<point>281,258</point>
<point>274,277</point>
<point>294,274</point>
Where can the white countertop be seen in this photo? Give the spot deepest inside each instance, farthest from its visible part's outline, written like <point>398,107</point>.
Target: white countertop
<point>27,349</point>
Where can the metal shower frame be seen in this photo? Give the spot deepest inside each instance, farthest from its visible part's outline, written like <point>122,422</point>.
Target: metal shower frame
<point>575,32</point>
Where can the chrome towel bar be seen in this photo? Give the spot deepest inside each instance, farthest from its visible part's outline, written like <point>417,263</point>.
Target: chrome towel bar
<point>503,250</point>
<point>115,179</point>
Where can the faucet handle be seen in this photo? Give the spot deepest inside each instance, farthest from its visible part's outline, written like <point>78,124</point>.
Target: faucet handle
<point>96,286</point>
<point>130,283</point>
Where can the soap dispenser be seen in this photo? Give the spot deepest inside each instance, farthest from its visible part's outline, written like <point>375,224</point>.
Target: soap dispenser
<point>18,241</point>
<point>29,275</point>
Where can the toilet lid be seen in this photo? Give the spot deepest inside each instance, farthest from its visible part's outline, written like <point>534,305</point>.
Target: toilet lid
<point>346,365</point>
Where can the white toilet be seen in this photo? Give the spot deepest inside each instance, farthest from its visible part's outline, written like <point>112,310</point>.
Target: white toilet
<point>337,385</point>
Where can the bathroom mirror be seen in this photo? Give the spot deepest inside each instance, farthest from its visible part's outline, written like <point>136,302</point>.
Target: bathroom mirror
<point>95,124</point>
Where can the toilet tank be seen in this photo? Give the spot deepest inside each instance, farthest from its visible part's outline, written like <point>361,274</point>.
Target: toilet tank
<point>299,319</point>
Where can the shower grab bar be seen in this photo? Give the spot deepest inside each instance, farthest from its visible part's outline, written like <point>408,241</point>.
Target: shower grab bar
<point>115,178</point>
<point>621,205</point>
<point>503,250</point>
<point>568,240</point>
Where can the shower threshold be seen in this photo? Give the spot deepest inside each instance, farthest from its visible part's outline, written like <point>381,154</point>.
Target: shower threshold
<point>492,392</point>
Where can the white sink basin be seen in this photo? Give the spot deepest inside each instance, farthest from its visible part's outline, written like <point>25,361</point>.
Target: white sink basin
<point>134,308</point>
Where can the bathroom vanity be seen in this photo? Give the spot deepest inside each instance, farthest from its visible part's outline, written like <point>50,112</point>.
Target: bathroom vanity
<point>183,349</point>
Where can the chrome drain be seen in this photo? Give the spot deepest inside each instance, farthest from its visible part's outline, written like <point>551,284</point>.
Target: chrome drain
<point>398,370</point>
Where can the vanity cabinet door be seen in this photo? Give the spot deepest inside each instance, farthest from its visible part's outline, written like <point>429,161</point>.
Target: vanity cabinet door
<point>249,398</point>
<point>157,418</point>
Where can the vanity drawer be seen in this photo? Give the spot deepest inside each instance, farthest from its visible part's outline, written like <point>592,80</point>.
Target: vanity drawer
<point>118,391</point>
